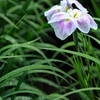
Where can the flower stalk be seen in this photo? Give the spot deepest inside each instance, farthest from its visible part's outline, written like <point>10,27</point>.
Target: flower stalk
<point>75,38</point>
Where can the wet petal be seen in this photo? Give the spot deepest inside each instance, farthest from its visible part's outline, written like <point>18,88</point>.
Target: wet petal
<point>83,24</point>
<point>64,29</point>
<point>52,11</point>
<point>92,22</point>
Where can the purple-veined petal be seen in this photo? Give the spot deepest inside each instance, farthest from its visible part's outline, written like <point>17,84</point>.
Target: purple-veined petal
<point>54,24</point>
<point>83,24</point>
<point>52,11</point>
<point>78,5</point>
<point>58,17</point>
<point>64,29</point>
<point>92,22</point>
<point>59,28</point>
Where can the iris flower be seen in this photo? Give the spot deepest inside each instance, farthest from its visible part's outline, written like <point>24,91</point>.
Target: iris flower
<point>63,7</point>
<point>64,19</point>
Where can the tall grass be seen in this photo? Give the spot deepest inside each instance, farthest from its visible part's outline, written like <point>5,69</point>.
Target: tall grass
<point>35,65</point>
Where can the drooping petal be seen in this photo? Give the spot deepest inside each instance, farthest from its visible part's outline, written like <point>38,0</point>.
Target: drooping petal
<point>52,11</point>
<point>58,29</point>
<point>83,24</point>
<point>64,29</point>
<point>92,22</point>
<point>78,5</point>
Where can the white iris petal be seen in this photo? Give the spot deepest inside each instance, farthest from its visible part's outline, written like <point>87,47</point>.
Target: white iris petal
<point>52,11</point>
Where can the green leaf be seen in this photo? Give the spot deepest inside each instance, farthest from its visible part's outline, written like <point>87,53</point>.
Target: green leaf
<point>84,96</point>
<point>9,38</point>
<point>20,98</point>
<point>13,27</point>
<point>13,9</point>
<point>52,60</point>
<point>8,20</point>
<point>55,95</point>
<point>26,4</point>
<point>46,81</point>
<point>19,83</point>
<point>37,68</point>
<point>0,98</point>
<point>13,82</point>
<point>45,1</point>
<point>75,53</point>
<point>97,19</point>
<point>77,91</point>
<point>1,67</point>
<point>95,8</point>
<point>75,38</point>
<point>22,91</point>
<point>95,39</point>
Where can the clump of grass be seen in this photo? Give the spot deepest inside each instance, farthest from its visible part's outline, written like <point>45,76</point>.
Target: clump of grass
<point>32,64</point>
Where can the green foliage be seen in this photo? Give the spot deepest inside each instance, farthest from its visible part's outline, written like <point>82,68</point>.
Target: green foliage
<point>35,65</point>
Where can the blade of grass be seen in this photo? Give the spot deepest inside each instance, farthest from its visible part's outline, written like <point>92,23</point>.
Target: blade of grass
<point>22,91</point>
<point>19,83</point>
<point>13,27</point>
<point>97,19</point>
<point>77,91</point>
<point>75,53</point>
<point>95,8</point>
<point>34,67</point>
<point>8,20</point>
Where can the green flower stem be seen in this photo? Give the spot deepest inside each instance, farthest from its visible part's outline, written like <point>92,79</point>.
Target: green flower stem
<point>75,38</point>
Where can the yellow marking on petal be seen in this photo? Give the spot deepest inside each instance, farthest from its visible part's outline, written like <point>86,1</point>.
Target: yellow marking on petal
<point>75,14</point>
<point>64,16</point>
<point>67,8</point>
<point>67,20</point>
<point>83,15</point>
<point>77,18</point>
<point>58,10</point>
